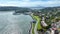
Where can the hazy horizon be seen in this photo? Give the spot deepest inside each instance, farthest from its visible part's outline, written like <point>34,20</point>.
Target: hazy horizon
<point>30,3</point>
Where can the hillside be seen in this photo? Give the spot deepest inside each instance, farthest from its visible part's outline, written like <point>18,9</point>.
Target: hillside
<point>9,8</point>
<point>50,9</point>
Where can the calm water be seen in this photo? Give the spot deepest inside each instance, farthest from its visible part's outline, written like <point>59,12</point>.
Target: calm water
<point>14,24</point>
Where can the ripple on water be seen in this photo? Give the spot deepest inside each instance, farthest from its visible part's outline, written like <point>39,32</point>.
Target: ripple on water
<point>11,29</point>
<point>14,24</point>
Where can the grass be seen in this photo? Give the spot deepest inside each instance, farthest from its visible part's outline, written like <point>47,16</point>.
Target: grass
<point>37,18</point>
<point>33,25</point>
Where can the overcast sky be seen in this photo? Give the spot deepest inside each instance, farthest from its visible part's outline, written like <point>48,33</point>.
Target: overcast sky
<point>30,3</point>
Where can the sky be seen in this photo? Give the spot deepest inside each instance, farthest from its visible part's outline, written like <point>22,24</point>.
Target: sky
<point>30,3</point>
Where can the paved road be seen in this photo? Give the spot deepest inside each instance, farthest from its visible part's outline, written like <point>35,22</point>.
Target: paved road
<point>35,29</point>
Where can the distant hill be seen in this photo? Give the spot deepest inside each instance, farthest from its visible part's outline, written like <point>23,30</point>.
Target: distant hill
<point>37,7</point>
<point>9,8</point>
<point>50,9</point>
<point>43,9</point>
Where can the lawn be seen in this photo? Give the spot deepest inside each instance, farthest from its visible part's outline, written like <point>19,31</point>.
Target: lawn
<point>38,19</point>
<point>33,25</point>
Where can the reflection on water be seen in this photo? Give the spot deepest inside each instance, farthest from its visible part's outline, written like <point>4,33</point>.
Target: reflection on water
<point>14,24</point>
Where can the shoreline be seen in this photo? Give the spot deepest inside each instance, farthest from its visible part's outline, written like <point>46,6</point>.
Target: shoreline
<point>35,26</point>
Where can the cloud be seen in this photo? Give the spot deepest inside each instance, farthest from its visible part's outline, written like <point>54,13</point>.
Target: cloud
<point>29,3</point>
<point>25,0</point>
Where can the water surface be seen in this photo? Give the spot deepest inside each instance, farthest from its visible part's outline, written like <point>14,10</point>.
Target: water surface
<point>14,24</point>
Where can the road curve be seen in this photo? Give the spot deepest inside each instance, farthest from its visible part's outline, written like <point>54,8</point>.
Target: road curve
<point>35,29</point>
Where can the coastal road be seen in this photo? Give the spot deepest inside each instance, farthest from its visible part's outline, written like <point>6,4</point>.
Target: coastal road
<point>35,29</point>
<point>37,24</point>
